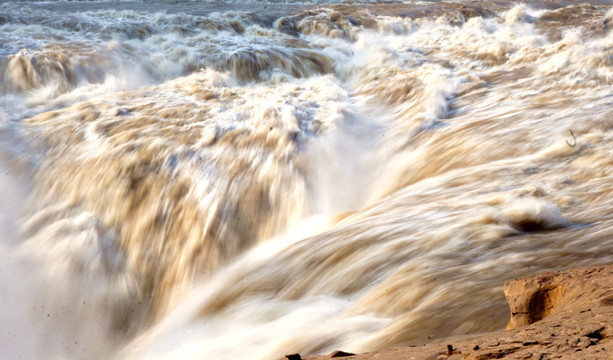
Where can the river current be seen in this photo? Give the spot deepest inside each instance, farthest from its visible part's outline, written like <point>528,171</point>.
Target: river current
<point>224,180</point>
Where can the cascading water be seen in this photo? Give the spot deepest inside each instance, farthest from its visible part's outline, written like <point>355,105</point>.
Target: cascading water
<point>206,180</point>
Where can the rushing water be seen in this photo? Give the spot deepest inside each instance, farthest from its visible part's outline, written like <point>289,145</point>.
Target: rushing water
<point>200,180</point>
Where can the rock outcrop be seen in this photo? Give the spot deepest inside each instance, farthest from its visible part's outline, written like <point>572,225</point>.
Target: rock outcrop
<point>555,315</point>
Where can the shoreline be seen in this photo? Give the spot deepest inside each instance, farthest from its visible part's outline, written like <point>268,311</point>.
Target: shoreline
<point>560,314</point>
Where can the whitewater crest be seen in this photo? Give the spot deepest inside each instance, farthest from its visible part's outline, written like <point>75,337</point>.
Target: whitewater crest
<point>206,181</point>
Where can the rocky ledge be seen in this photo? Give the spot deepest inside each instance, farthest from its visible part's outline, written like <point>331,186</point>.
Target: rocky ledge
<point>555,315</point>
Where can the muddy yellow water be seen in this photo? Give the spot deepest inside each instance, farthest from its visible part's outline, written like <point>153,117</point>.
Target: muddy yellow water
<point>208,181</point>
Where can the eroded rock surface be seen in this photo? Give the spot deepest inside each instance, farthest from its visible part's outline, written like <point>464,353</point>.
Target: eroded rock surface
<point>555,315</point>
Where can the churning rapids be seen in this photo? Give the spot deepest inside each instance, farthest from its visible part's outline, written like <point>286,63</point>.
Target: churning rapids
<point>200,180</point>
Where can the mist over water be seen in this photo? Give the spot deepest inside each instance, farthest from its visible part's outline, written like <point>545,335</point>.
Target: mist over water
<point>212,181</point>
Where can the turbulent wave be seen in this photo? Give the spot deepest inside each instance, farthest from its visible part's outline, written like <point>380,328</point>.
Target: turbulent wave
<point>207,181</point>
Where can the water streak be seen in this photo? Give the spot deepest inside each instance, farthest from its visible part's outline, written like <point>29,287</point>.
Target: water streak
<point>208,182</point>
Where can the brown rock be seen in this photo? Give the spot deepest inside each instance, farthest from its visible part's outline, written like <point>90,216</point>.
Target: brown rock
<point>532,299</point>
<point>339,353</point>
<point>561,314</point>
